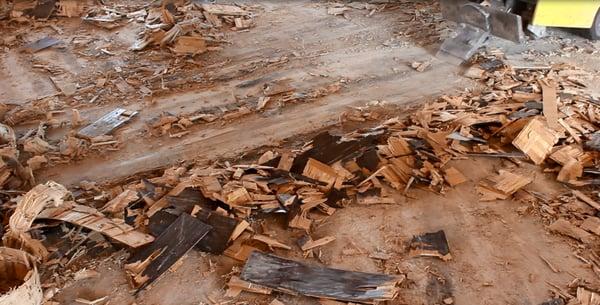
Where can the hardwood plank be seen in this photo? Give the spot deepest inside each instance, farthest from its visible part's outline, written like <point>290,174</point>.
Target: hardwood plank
<point>291,276</point>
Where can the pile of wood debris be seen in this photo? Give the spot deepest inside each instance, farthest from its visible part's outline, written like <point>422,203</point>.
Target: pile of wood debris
<point>539,115</point>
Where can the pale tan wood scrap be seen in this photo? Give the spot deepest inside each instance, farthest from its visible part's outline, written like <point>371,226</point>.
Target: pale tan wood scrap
<point>189,45</point>
<point>300,221</point>
<point>33,202</point>
<point>570,171</point>
<point>403,167</point>
<point>276,302</point>
<point>71,8</point>
<point>209,185</point>
<point>213,19</point>
<point>570,130</point>
<point>238,284</point>
<point>91,219</point>
<point>398,147</point>
<point>564,227</point>
<point>262,197</point>
<point>474,72</point>
<point>566,153</point>
<point>271,242</point>
<point>241,23</point>
<point>591,224</point>
<point>286,161</point>
<point>242,226</point>
<point>487,193</point>
<point>119,203</point>
<point>178,189</point>
<point>550,104</point>
<point>583,197</point>
<point>526,96</point>
<point>390,176</point>
<point>266,157</point>
<point>320,171</point>
<point>454,177</point>
<point>239,196</point>
<point>223,9</point>
<point>308,243</point>
<point>536,140</point>
<point>20,273</point>
<point>587,297</point>
<point>323,207</point>
<point>509,183</point>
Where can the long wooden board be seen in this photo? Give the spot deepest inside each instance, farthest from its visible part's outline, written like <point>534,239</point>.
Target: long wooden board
<point>151,262</point>
<point>291,276</point>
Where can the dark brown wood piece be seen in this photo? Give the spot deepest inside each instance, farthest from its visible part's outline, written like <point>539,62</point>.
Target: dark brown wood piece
<point>291,276</point>
<point>170,246</point>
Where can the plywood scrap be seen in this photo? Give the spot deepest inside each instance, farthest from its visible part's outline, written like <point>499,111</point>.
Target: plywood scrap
<point>591,224</point>
<point>237,285</point>
<point>320,171</point>
<point>189,45</point>
<point>454,177</point>
<point>295,277</point>
<point>147,265</point>
<point>90,218</point>
<point>564,227</point>
<point>119,203</point>
<point>536,140</point>
<point>566,153</point>
<point>431,244</point>
<point>20,279</point>
<point>399,147</point>
<point>107,124</point>
<point>306,243</point>
<point>509,183</point>
<point>549,98</point>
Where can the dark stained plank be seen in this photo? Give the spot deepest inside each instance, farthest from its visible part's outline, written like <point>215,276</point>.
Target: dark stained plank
<point>151,262</point>
<point>291,276</point>
<point>215,242</point>
<point>431,244</point>
<point>106,124</point>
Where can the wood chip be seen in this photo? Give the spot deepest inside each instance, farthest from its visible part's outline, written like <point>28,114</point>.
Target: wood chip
<point>271,242</point>
<point>550,103</point>
<point>119,203</point>
<point>581,196</point>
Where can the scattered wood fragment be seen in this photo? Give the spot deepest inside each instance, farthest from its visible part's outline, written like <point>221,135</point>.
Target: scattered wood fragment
<point>454,177</point>
<point>237,285</point>
<point>271,242</point>
<point>583,197</point>
<point>151,262</point>
<point>536,140</point>
<point>20,278</point>
<point>431,244</point>
<point>119,203</point>
<point>42,44</point>
<point>91,219</point>
<point>189,45</point>
<point>591,224</point>
<point>106,124</point>
<point>564,227</point>
<point>222,9</point>
<point>306,243</point>
<point>294,277</point>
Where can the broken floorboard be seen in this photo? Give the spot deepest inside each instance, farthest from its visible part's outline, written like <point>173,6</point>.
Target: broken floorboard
<point>290,276</point>
<point>151,262</point>
<point>106,124</point>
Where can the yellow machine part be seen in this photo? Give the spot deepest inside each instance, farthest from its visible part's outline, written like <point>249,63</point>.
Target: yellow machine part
<point>566,13</point>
